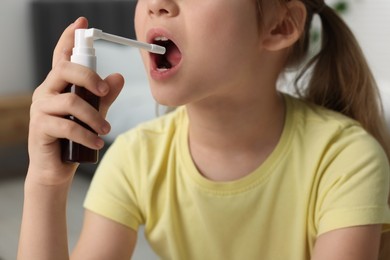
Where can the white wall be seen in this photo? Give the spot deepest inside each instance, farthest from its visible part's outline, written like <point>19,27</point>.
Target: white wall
<point>15,52</point>
<point>370,21</point>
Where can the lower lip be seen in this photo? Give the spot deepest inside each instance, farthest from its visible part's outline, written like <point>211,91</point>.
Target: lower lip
<point>160,75</point>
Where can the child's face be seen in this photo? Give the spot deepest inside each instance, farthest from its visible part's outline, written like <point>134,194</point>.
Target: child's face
<point>215,50</point>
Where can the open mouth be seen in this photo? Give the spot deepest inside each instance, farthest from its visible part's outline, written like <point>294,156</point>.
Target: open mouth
<point>172,56</point>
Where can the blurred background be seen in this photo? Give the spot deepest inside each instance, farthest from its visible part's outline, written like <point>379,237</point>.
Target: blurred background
<point>28,32</point>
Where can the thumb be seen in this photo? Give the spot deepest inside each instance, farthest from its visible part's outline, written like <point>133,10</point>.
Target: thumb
<point>63,49</point>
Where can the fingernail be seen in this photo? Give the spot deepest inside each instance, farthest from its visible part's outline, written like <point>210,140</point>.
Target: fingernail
<point>106,128</point>
<point>102,87</point>
<point>99,143</point>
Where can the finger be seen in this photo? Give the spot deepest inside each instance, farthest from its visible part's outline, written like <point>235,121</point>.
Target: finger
<point>116,82</point>
<point>65,73</point>
<point>71,104</point>
<point>77,133</point>
<point>62,128</point>
<point>63,49</point>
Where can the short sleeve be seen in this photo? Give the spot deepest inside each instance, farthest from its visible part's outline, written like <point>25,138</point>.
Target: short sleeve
<point>354,187</point>
<point>113,192</point>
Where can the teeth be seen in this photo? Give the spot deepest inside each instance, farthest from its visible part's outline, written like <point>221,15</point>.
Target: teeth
<point>161,38</point>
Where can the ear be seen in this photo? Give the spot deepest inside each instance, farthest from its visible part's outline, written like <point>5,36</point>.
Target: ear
<point>287,27</point>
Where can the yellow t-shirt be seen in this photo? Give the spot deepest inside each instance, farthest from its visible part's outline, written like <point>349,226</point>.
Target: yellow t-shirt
<point>325,173</point>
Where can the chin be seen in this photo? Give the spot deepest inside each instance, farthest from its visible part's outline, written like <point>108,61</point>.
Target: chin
<point>167,97</point>
<point>169,103</point>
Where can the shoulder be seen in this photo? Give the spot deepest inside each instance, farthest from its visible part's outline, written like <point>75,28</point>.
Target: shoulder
<point>131,165</point>
<point>323,128</point>
<point>156,130</point>
<point>312,115</point>
<point>149,141</point>
<point>351,176</point>
<point>338,149</point>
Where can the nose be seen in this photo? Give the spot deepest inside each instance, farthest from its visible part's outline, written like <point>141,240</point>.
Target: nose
<point>167,8</point>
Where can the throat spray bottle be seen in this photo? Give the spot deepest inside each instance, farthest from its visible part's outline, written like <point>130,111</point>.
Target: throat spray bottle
<point>84,54</point>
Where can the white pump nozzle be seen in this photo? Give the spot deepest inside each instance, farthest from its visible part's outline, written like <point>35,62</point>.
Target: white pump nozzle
<point>97,34</point>
<point>84,52</point>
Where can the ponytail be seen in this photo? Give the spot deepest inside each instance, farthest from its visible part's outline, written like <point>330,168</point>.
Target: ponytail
<point>341,79</point>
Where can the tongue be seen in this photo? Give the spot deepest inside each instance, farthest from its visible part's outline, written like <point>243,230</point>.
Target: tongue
<point>173,55</point>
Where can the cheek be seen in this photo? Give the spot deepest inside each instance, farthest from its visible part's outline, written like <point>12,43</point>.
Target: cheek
<point>139,19</point>
<point>229,28</point>
<point>225,45</point>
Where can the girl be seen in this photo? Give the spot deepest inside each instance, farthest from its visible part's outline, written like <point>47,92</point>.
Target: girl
<point>238,170</point>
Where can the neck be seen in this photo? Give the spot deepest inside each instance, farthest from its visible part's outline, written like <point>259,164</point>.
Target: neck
<point>243,134</point>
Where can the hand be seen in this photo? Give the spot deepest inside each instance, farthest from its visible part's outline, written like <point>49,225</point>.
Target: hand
<point>50,105</point>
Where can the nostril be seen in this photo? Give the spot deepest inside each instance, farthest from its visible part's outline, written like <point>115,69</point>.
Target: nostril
<point>163,11</point>
<point>159,12</point>
<point>163,8</point>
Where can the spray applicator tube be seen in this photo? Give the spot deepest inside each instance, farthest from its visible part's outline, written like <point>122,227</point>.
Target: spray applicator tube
<point>84,54</point>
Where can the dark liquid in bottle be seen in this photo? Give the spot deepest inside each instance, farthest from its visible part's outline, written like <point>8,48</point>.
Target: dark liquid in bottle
<point>72,151</point>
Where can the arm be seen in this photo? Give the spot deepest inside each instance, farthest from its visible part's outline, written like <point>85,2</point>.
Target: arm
<point>45,232</point>
<point>102,238</point>
<point>354,243</point>
<point>43,229</point>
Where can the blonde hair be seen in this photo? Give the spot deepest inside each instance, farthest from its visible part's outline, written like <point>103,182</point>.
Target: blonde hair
<point>340,78</point>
